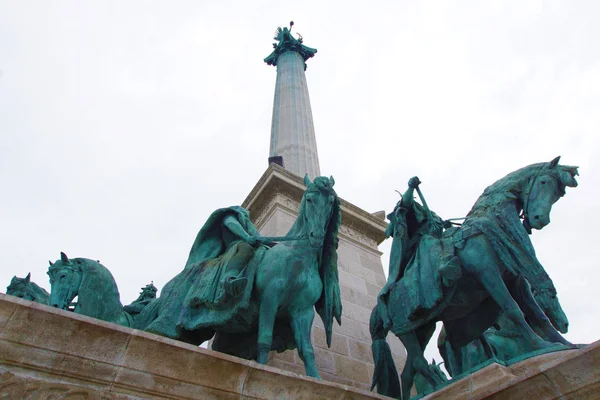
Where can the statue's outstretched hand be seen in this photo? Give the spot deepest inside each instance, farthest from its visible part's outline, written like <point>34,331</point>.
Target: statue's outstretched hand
<point>414,182</point>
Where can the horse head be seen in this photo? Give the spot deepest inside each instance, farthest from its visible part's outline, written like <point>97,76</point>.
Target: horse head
<point>548,301</point>
<point>318,203</point>
<point>545,187</point>
<point>21,287</point>
<point>65,280</point>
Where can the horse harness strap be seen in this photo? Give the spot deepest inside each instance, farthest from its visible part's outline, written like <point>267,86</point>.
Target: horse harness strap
<point>525,213</point>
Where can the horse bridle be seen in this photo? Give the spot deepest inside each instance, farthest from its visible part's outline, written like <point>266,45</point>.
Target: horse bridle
<point>525,212</point>
<point>70,291</point>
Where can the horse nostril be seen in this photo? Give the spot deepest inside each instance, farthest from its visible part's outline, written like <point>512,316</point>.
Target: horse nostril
<point>312,234</point>
<point>537,217</point>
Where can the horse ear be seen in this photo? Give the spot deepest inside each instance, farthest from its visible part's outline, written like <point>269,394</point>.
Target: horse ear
<point>307,180</point>
<point>331,180</point>
<point>28,278</point>
<point>50,262</point>
<point>568,178</point>
<point>64,258</point>
<point>554,162</point>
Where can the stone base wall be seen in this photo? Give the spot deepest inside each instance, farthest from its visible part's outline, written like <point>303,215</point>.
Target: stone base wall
<point>273,206</point>
<point>46,353</point>
<point>563,375</point>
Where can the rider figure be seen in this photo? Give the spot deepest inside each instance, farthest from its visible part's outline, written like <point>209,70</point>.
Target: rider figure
<point>234,233</point>
<point>408,223</point>
<point>225,245</point>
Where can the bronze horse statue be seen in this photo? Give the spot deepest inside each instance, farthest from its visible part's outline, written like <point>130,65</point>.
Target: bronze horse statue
<point>503,341</point>
<point>497,261</point>
<point>92,283</point>
<point>277,286</point>
<point>25,289</point>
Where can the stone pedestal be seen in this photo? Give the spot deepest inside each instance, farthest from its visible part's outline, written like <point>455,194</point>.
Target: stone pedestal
<point>273,206</point>
<point>46,353</point>
<point>564,375</point>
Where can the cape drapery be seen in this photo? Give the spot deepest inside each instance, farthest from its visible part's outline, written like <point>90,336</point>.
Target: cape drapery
<point>208,253</point>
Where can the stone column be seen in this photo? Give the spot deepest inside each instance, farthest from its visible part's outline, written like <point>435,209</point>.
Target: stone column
<point>292,128</point>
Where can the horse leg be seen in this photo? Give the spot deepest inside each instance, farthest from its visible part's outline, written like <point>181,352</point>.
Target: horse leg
<point>407,377</point>
<point>415,363</point>
<point>477,259</point>
<point>534,313</point>
<point>266,321</point>
<point>301,325</point>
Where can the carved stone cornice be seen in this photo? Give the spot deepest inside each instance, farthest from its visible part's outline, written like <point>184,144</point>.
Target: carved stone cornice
<point>278,187</point>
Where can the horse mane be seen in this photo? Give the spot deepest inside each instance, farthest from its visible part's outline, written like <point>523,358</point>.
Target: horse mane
<point>508,187</point>
<point>329,305</point>
<point>512,185</point>
<point>104,304</point>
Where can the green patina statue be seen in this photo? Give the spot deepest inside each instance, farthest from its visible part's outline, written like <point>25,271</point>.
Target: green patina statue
<point>423,385</point>
<point>466,276</point>
<point>502,342</point>
<point>286,42</point>
<point>147,294</point>
<point>94,286</point>
<point>25,289</point>
<point>251,294</point>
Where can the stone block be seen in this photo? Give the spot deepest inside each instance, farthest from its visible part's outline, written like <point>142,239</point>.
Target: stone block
<point>347,252</point>
<point>353,329</point>
<point>356,297</point>
<point>7,312</point>
<point>106,344</point>
<point>352,281</point>
<point>353,369</point>
<point>290,356</point>
<point>355,312</point>
<point>59,363</point>
<point>14,386</point>
<point>162,357</point>
<point>286,366</point>
<point>360,351</point>
<point>371,261</point>
<point>572,374</point>
<point>365,274</point>
<point>324,360</point>
<point>339,343</point>
<point>70,356</point>
<point>373,290</point>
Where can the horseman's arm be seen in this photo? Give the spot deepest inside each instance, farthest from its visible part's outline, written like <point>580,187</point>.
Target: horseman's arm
<point>408,198</point>
<point>231,223</point>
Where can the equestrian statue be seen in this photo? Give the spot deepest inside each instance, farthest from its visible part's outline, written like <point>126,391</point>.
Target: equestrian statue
<point>466,276</point>
<point>256,294</point>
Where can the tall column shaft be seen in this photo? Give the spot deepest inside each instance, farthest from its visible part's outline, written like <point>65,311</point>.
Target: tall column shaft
<point>292,128</point>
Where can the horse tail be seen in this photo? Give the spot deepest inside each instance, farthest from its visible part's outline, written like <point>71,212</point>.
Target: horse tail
<point>385,376</point>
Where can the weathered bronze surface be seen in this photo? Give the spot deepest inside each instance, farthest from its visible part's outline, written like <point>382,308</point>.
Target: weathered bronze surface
<point>466,276</point>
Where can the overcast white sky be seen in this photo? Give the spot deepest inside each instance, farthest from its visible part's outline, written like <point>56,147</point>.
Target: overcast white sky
<point>125,124</point>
